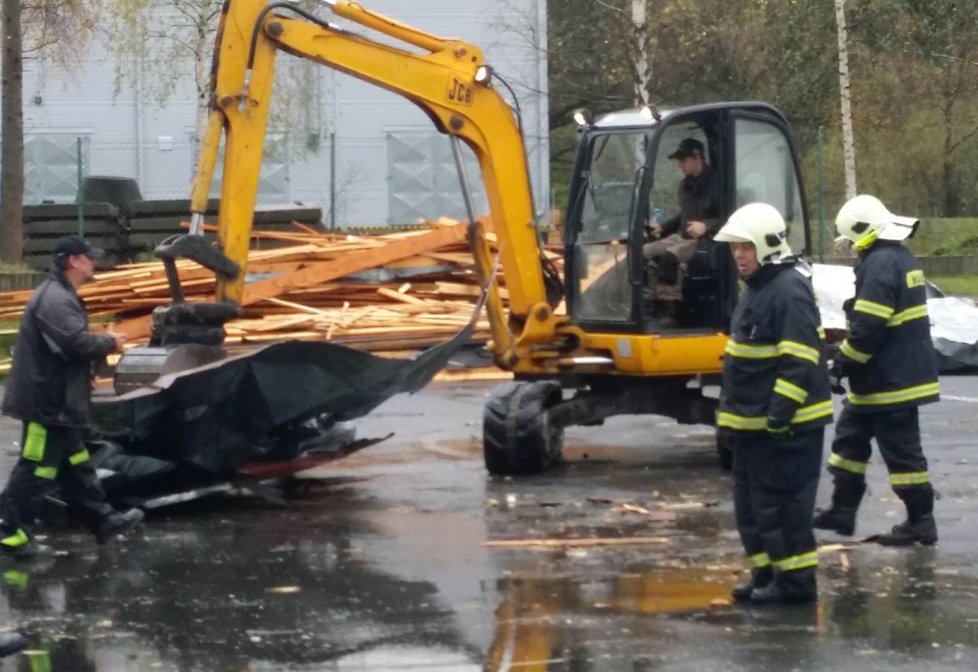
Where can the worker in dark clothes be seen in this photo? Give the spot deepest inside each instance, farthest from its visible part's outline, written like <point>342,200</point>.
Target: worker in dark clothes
<point>49,390</point>
<point>675,240</point>
<point>889,359</point>
<point>774,406</point>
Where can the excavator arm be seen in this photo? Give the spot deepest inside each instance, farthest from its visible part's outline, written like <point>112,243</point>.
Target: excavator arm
<point>447,78</point>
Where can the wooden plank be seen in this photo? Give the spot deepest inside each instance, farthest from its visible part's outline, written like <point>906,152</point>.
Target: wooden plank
<point>351,263</point>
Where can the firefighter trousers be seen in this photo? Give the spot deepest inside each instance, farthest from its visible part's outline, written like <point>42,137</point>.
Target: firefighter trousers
<point>775,483</point>
<point>52,458</point>
<point>897,434</point>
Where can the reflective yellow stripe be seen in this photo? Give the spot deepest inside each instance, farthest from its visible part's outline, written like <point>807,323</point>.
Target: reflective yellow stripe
<point>80,457</point>
<point>873,308</point>
<point>35,441</point>
<point>757,423</point>
<point>750,351</point>
<point>741,422</point>
<point>911,478</point>
<point>852,466</point>
<point>790,390</point>
<point>801,561</point>
<point>915,313</point>
<point>821,333</point>
<point>895,396</point>
<point>16,579</point>
<point>854,354</point>
<point>799,350</point>
<point>808,413</point>
<point>18,538</point>
<point>47,473</point>
<point>759,560</point>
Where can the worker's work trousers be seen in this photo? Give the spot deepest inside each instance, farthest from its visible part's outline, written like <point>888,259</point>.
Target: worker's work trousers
<point>52,458</point>
<point>669,257</point>
<point>775,482</point>
<point>897,434</point>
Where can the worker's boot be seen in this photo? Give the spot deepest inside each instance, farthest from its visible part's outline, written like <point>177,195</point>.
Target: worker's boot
<point>118,523</point>
<point>758,579</point>
<point>920,526</point>
<point>11,642</point>
<point>18,545</point>
<point>799,586</point>
<point>848,491</point>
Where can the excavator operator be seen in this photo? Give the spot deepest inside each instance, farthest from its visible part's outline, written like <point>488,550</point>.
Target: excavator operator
<point>674,242</point>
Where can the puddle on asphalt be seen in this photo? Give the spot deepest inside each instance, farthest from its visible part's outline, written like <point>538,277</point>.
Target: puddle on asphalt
<point>259,590</point>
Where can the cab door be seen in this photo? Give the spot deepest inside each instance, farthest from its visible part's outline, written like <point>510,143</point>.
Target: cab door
<point>766,170</point>
<point>602,266</point>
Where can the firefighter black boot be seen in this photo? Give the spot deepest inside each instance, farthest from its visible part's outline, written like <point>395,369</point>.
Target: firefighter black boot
<point>919,527</point>
<point>846,495</point>
<point>798,586</point>
<point>758,579</point>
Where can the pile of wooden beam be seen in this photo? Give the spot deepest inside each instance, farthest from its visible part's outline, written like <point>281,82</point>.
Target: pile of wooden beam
<point>394,292</point>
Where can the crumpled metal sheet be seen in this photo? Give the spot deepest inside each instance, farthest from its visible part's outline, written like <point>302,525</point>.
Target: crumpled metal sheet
<point>953,320</point>
<point>220,415</point>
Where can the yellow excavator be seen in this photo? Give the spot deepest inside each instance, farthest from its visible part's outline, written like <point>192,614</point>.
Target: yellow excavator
<point>582,345</point>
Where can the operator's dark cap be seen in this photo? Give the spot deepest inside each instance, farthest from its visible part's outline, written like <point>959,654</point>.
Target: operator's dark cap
<point>68,246</point>
<point>688,147</point>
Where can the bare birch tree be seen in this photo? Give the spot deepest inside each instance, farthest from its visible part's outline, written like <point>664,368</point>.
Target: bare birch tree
<point>848,142</point>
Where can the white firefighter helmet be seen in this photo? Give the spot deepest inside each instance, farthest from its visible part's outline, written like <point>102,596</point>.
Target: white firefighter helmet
<point>864,219</point>
<point>761,224</point>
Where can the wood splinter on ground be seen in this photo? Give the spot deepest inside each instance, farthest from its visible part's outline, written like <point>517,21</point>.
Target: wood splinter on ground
<point>574,543</point>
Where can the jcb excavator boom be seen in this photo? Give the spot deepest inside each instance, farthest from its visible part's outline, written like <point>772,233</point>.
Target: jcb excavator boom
<point>449,80</point>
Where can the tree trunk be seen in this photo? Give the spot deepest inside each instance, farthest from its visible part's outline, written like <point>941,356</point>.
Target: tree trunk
<point>642,70</point>
<point>848,143</point>
<point>12,157</point>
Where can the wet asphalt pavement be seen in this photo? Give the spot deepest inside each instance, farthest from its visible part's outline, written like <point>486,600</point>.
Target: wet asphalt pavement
<point>380,564</point>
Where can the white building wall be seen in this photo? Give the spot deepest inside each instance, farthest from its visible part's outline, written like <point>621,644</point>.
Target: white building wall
<point>127,135</point>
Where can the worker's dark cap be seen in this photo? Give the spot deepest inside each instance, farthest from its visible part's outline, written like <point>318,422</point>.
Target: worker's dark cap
<point>69,246</point>
<point>688,147</point>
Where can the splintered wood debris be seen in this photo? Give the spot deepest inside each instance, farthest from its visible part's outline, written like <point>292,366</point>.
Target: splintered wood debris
<point>395,292</point>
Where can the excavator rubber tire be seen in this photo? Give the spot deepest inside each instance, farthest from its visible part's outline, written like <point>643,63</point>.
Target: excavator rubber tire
<point>517,436</point>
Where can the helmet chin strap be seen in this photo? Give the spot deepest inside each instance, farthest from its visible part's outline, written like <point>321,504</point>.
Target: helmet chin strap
<point>866,241</point>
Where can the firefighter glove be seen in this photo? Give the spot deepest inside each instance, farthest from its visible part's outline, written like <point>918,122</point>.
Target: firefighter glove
<point>836,373</point>
<point>779,430</point>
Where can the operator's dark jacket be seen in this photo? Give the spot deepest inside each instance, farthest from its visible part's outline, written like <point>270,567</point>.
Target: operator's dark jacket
<point>699,200</point>
<point>50,380</point>
<point>775,364</point>
<point>888,354</point>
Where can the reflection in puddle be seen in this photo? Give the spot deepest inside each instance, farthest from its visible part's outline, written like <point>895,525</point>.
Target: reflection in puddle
<point>536,618</point>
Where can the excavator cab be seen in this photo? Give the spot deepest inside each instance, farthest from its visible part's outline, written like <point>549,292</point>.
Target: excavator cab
<point>617,356</point>
<point>624,179</point>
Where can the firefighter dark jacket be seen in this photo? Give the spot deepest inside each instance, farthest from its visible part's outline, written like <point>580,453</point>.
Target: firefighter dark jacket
<point>888,354</point>
<point>775,368</point>
<point>50,379</point>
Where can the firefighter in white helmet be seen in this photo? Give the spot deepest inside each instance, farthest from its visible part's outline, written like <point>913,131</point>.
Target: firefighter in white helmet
<point>890,362</point>
<point>774,406</point>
